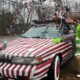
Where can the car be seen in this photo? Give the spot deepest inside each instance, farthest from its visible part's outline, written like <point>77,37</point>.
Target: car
<point>38,53</point>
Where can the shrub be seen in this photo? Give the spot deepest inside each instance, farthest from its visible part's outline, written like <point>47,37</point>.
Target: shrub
<point>5,22</point>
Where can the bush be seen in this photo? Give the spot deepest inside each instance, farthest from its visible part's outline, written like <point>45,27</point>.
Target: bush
<point>5,22</point>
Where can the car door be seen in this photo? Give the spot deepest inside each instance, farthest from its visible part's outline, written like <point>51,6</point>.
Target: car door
<point>69,40</point>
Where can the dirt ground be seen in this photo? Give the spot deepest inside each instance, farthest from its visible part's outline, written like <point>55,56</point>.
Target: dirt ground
<point>70,69</point>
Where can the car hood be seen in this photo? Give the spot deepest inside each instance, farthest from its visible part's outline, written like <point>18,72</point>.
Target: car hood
<point>28,47</point>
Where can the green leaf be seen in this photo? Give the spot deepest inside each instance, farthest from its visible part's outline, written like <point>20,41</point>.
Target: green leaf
<point>57,40</point>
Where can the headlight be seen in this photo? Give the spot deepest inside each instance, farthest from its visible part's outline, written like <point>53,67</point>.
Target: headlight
<point>1,55</point>
<point>27,60</point>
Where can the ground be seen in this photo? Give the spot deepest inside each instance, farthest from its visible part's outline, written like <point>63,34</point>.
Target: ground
<point>68,71</point>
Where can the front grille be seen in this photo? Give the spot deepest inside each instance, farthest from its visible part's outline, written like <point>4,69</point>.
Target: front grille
<point>5,59</point>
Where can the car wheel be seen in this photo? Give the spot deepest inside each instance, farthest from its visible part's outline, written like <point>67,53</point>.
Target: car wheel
<point>54,71</point>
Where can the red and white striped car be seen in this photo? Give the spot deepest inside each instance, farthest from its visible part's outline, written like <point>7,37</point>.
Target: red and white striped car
<point>35,55</point>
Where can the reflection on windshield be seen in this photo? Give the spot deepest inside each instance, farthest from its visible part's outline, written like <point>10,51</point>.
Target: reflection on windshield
<point>41,32</point>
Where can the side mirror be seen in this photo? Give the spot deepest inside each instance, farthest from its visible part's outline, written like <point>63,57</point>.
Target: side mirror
<point>71,31</point>
<point>4,44</point>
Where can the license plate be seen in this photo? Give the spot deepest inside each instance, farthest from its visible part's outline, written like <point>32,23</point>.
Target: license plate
<point>10,79</point>
<point>6,79</point>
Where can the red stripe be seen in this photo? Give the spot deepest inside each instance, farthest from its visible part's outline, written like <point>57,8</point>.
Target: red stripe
<point>21,50</point>
<point>3,70</point>
<point>67,54</point>
<point>25,41</point>
<point>53,48</point>
<point>43,49</point>
<point>29,73</point>
<point>15,45</point>
<point>16,49</point>
<point>56,51</point>
<point>18,70</point>
<point>41,71</point>
<point>66,51</point>
<point>57,69</point>
<point>12,49</point>
<point>42,75</point>
<point>38,47</point>
<point>23,72</point>
<point>7,71</point>
<point>45,63</point>
<point>1,64</point>
<point>12,71</point>
<point>24,52</point>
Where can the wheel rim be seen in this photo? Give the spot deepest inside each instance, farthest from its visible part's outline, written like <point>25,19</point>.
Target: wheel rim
<point>57,68</point>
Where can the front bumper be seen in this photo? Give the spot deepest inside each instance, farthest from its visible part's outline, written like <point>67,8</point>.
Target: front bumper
<point>35,72</point>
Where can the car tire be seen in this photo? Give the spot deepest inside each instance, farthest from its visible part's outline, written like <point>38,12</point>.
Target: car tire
<point>54,71</point>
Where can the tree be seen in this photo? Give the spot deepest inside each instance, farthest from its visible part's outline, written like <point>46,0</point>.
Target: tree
<point>5,22</point>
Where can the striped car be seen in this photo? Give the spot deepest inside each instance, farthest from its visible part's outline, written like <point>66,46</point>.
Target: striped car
<point>35,55</point>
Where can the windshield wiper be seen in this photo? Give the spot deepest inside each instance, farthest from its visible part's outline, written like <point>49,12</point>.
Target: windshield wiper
<point>36,37</point>
<point>24,37</point>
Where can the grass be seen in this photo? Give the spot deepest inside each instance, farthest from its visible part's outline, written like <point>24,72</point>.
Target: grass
<point>78,48</point>
<point>78,41</point>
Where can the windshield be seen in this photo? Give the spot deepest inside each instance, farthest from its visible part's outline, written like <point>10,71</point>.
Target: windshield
<point>41,32</point>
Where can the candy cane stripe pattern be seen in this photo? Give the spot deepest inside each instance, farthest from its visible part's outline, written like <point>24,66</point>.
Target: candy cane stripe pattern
<point>37,55</point>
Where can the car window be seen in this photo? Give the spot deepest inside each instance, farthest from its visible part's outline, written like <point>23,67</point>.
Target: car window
<point>41,32</point>
<point>66,29</point>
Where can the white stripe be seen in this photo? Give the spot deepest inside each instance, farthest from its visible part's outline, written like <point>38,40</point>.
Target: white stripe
<point>40,77</point>
<point>42,68</point>
<point>54,46</point>
<point>15,50</point>
<point>21,69</point>
<point>37,49</point>
<point>37,76</point>
<point>10,69</point>
<point>11,51</point>
<point>32,72</point>
<point>49,44</point>
<point>11,47</point>
<point>15,70</point>
<point>28,51</point>
<point>51,56</point>
<point>27,70</point>
<point>6,69</point>
<point>56,49</point>
<point>22,53</point>
<point>55,75</point>
<point>67,53</point>
<point>19,51</point>
<point>17,47</point>
<point>16,44</point>
<point>2,67</point>
<point>1,63</point>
